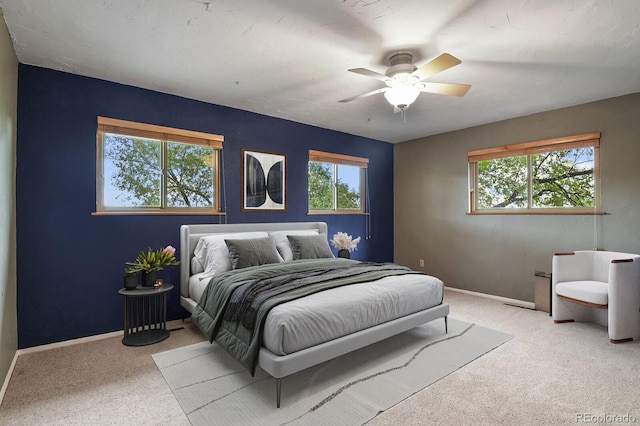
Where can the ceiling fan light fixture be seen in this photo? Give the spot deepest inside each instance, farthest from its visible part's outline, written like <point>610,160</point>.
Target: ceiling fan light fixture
<point>402,96</point>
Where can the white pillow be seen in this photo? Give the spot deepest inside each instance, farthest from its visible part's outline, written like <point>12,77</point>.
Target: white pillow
<point>196,266</point>
<point>213,254</point>
<point>282,242</point>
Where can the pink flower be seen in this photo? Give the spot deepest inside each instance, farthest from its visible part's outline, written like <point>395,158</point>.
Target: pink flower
<point>169,249</point>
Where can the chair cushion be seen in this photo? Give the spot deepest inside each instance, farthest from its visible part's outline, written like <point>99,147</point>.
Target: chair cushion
<point>588,291</point>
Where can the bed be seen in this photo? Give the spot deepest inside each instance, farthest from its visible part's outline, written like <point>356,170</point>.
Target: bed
<point>305,331</point>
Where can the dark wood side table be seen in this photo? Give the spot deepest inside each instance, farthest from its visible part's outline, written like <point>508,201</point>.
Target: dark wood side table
<point>145,315</point>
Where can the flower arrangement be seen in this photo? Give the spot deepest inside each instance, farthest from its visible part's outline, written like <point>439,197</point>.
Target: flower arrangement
<point>342,241</point>
<point>153,260</point>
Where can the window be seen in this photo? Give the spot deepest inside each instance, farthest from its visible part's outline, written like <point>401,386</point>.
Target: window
<point>549,176</point>
<point>143,168</point>
<point>337,183</point>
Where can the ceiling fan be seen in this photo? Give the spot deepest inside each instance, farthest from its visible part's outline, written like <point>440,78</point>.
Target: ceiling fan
<point>404,80</point>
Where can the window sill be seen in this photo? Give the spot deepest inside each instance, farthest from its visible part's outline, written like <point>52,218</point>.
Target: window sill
<point>541,212</point>
<point>333,212</point>
<point>157,213</point>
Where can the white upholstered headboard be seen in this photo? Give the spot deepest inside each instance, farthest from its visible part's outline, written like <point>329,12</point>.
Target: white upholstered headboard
<point>190,234</point>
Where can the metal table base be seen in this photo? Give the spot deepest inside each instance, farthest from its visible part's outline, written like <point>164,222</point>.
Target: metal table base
<point>145,315</point>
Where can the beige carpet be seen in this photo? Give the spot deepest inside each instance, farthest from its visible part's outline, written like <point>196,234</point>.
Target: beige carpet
<point>101,382</point>
<point>548,374</point>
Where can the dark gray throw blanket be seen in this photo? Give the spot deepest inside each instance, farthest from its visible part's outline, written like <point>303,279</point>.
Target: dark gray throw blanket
<point>235,304</point>
<point>246,299</point>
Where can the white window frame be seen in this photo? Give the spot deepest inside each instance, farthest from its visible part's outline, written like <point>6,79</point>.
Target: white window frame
<point>165,135</point>
<point>527,149</point>
<point>347,160</point>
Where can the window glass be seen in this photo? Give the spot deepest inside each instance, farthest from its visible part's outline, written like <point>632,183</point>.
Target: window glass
<point>348,187</point>
<point>502,183</point>
<point>321,184</point>
<point>132,171</point>
<point>563,178</point>
<point>190,174</point>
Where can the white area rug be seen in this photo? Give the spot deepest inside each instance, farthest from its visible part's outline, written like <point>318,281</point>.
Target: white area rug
<point>213,389</point>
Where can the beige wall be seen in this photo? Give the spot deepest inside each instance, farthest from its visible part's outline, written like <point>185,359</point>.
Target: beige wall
<point>498,254</point>
<point>8,112</point>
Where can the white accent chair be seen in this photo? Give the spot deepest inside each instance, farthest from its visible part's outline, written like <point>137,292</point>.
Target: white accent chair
<point>598,286</point>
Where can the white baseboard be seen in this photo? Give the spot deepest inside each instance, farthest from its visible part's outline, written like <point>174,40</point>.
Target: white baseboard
<point>5,385</point>
<point>508,301</point>
<point>170,325</point>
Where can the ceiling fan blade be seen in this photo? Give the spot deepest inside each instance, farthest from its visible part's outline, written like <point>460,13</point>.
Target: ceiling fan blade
<point>434,66</point>
<point>364,95</point>
<point>444,88</point>
<point>369,73</point>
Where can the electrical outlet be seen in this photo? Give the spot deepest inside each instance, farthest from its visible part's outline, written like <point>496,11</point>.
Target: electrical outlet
<point>422,263</point>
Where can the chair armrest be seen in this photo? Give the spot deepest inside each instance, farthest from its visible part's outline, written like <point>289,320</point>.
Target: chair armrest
<point>624,279</point>
<point>624,299</point>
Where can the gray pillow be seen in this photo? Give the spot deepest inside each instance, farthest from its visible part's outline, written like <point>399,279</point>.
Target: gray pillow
<point>252,252</point>
<point>309,246</point>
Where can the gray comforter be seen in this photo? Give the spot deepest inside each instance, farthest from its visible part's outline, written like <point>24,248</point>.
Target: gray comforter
<point>235,304</point>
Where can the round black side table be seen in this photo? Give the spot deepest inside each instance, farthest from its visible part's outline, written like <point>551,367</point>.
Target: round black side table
<point>145,315</point>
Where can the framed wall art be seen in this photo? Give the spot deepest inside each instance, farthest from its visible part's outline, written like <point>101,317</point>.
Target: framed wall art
<point>264,181</point>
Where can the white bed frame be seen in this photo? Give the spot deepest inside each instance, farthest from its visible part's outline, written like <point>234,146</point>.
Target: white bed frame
<point>280,366</point>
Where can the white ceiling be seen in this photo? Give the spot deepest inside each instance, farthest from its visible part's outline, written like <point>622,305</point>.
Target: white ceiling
<point>289,58</point>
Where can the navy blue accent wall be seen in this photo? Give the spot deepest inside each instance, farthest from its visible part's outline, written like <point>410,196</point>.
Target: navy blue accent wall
<point>70,263</point>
